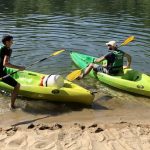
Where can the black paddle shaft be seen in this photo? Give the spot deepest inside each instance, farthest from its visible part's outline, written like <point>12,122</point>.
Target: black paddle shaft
<point>26,67</point>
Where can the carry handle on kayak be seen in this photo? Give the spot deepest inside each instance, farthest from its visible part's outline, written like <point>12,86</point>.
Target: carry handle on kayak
<point>53,54</point>
<point>75,74</point>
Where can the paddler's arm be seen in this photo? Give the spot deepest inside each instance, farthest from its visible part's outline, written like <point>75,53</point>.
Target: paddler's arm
<point>97,60</point>
<point>128,60</point>
<point>7,63</point>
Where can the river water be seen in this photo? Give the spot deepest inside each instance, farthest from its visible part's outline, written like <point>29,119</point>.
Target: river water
<point>42,27</point>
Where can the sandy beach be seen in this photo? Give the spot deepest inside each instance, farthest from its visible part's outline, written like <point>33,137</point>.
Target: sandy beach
<point>76,136</point>
<point>116,128</point>
<point>113,122</point>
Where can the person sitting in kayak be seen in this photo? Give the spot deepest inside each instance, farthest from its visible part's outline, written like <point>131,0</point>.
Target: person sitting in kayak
<point>114,61</point>
<point>5,53</point>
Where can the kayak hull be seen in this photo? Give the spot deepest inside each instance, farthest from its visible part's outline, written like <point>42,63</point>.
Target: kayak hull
<point>130,80</point>
<point>30,88</point>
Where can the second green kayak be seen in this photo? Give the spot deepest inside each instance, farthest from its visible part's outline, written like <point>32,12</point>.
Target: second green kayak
<point>130,80</point>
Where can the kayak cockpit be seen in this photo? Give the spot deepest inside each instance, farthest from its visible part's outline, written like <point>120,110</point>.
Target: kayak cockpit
<point>128,74</point>
<point>131,75</point>
<point>26,77</point>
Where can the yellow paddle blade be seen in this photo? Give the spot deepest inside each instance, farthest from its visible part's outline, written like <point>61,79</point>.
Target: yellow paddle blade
<point>58,52</point>
<point>73,75</point>
<point>129,39</point>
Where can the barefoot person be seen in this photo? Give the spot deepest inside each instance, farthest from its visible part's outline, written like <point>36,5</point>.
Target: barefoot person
<point>114,61</point>
<point>5,53</point>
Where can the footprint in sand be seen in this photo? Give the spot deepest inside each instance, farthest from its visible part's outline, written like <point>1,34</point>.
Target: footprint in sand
<point>19,141</point>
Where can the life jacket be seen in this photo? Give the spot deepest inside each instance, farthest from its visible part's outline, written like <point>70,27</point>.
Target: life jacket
<point>117,65</point>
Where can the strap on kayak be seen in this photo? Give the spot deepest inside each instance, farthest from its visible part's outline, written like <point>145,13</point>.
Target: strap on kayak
<point>47,79</point>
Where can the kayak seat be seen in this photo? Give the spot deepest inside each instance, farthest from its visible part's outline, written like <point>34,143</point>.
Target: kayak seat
<point>10,71</point>
<point>131,75</point>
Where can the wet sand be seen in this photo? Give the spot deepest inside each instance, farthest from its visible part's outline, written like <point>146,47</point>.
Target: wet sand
<point>118,122</point>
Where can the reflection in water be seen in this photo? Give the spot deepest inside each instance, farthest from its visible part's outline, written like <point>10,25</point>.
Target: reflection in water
<point>85,7</point>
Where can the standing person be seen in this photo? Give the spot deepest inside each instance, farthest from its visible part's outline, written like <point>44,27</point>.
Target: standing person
<point>5,53</point>
<point>114,61</point>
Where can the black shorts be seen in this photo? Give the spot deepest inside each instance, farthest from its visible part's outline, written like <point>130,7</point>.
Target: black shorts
<point>98,68</point>
<point>9,80</point>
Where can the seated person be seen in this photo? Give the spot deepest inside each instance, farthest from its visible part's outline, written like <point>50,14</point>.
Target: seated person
<point>114,61</point>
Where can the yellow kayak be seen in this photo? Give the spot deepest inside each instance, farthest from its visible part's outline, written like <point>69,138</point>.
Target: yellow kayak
<point>30,88</point>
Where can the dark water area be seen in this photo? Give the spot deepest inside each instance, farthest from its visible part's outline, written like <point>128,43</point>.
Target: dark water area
<point>42,27</point>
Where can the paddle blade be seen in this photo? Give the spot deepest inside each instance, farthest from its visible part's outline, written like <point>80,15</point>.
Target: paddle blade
<point>129,39</point>
<point>57,53</point>
<point>73,75</point>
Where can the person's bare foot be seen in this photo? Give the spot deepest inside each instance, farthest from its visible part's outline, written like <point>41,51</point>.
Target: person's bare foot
<point>12,107</point>
<point>80,76</point>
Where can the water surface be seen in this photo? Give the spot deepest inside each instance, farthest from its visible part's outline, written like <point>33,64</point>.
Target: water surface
<point>43,27</point>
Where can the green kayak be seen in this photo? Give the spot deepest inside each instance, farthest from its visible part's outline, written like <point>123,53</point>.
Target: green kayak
<point>31,88</point>
<point>130,80</point>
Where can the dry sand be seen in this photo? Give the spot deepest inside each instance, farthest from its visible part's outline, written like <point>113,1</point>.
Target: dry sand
<point>76,136</point>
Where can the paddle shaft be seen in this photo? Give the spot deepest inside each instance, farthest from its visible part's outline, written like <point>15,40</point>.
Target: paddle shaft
<point>53,54</point>
<point>26,67</point>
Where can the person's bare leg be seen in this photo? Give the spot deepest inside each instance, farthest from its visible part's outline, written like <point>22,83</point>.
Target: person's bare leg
<point>87,71</point>
<point>14,95</point>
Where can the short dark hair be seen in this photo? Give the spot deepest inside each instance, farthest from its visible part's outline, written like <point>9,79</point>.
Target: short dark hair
<point>6,38</point>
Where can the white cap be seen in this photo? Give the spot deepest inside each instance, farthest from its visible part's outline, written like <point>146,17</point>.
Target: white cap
<point>112,43</point>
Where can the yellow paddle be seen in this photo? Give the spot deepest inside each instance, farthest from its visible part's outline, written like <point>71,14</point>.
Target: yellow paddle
<point>129,39</point>
<point>53,54</point>
<point>73,75</point>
